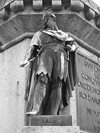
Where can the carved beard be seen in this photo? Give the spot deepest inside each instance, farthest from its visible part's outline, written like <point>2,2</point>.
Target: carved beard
<point>50,23</point>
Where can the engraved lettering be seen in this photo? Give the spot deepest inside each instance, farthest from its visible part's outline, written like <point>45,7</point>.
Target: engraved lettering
<point>88,65</point>
<point>89,111</point>
<point>94,113</point>
<point>97,129</point>
<point>83,95</point>
<point>89,98</point>
<point>89,88</point>
<point>93,100</point>
<point>91,80</point>
<point>88,93</point>
<point>98,122</point>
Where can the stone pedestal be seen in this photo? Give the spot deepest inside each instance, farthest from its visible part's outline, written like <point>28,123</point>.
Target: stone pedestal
<point>85,103</point>
<point>49,129</point>
<point>49,120</point>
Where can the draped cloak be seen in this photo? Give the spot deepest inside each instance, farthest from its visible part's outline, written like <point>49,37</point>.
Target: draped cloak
<point>54,61</point>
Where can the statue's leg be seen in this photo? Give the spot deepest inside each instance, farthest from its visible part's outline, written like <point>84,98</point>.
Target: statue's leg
<point>33,84</point>
<point>55,98</point>
<point>43,71</point>
<point>40,94</point>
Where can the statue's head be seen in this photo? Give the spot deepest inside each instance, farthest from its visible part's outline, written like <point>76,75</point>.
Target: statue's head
<point>49,20</point>
<point>47,15</point>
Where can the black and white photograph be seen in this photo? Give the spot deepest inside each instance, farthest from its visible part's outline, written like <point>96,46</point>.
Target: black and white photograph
<point>49,66</point>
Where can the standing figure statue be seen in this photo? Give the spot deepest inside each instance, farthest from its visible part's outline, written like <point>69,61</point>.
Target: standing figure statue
<point>50,85</point>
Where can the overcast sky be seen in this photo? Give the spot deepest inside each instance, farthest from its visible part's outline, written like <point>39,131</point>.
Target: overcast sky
<point>97,2</point>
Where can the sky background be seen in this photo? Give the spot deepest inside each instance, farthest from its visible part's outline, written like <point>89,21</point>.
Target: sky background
<point>97,2</point>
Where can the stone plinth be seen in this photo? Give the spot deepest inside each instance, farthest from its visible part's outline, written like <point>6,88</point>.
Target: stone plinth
<point>49,120</point>
<point>87,92</point>
<point>49,129</point>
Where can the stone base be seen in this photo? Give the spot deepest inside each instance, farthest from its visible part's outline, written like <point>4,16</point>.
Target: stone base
<point>49,129</point>
<point>81,131</point>
<point>48,120</point>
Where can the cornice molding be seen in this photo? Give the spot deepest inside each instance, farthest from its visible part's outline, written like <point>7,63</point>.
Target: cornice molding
<point>77,6</point>
<point>18,25</point>
<point>17,6</point>
<point>16,41</point>
<point>90,10</point>
<point>30,23</point>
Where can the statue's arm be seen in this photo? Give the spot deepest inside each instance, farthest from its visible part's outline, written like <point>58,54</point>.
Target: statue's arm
<point>36,39</point>
<point>35,45</point>
<point>33,49</point>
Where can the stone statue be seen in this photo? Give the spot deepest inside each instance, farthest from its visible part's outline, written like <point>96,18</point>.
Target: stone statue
<point>50,84</point>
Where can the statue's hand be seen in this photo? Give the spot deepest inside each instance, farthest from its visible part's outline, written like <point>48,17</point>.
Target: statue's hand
<point>68,47</point>
<point>22,64</point>
<point>74,47</point>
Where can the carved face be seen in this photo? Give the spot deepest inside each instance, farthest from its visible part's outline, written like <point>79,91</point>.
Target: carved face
<point>49,21</point>
<point>49,14</point>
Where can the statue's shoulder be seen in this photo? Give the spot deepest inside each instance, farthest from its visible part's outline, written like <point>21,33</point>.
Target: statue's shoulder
<point>49,32</point>
<point>46,31</point>
<point>37,33</point>
<point>57,34</point>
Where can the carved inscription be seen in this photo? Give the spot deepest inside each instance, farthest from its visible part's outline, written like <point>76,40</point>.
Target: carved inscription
<point>49,120</point>
<point>89,98</point>
<point>88,94</point>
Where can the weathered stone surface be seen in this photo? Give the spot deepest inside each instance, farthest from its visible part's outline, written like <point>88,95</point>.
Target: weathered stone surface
<point>88,93</point>
<point>19,25</point>
<point>98,21</point>
<point>17,6</point>
<point>91,4</point>
<point>12,87</point>
<point>77,5</point>
<point>79,27</point>
<point>73,108</point>
<point>4,14</point>
<point>50,129</point>
<point>48,120</point>
<point>56,5</point>
<point>47,3</point>
<point>2,2</point>
<point>8,2</point>
<point>89,14</point>
<point>37,5</point>
<point>72,23</point>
